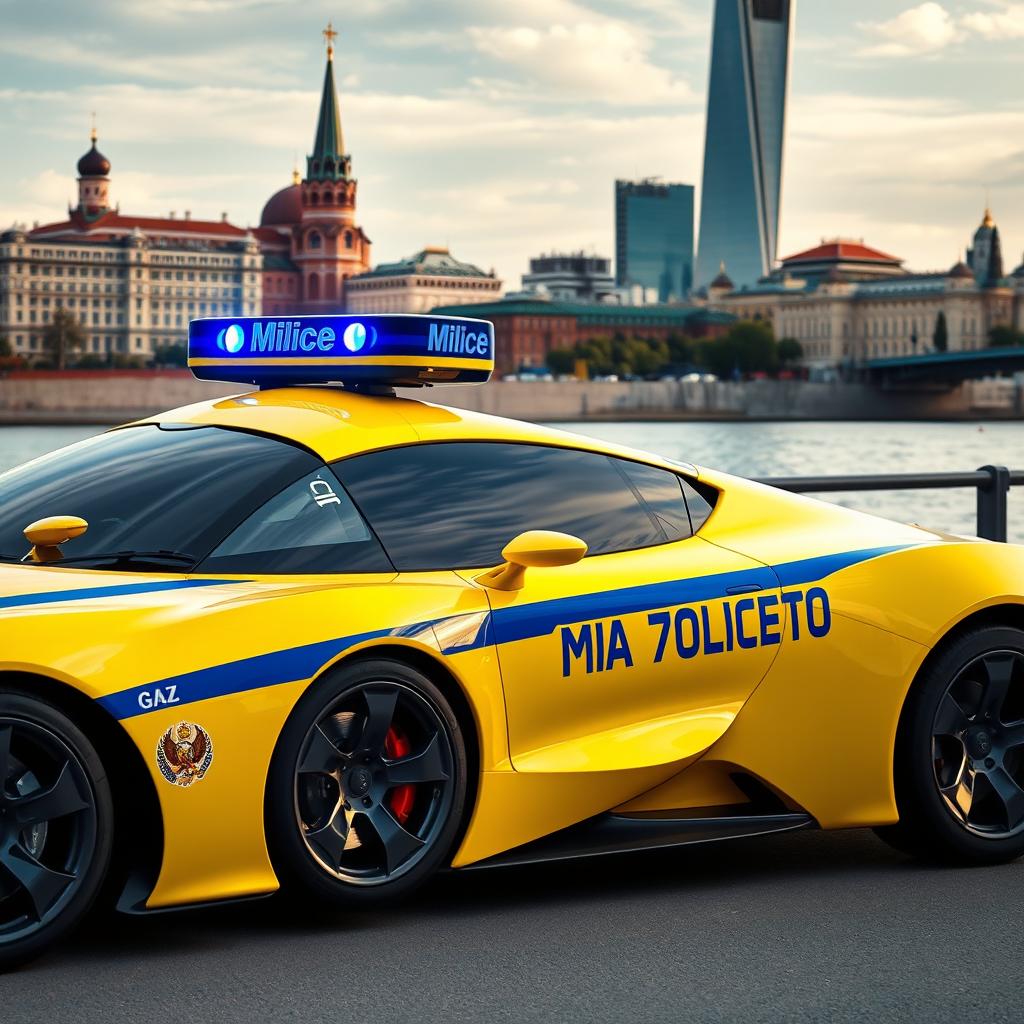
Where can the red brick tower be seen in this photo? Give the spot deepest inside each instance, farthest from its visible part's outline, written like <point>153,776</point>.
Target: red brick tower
<point>327,245</point>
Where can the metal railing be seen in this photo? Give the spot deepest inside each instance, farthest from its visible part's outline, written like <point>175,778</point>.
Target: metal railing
<point>991,483</point>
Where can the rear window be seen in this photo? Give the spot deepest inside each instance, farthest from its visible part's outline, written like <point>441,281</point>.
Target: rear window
<point>700,500</point>
<point>310,527</point>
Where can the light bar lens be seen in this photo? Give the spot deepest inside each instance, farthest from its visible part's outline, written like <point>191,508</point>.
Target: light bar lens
<point>387,350</point>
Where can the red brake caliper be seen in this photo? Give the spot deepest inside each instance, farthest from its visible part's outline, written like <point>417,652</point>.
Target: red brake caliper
<point>401,798</point>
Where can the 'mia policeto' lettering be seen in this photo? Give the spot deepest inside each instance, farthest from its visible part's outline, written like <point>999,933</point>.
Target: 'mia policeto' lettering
<point>691,631</point>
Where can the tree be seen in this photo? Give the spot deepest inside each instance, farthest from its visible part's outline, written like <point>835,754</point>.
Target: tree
<point>680,350</point>
<point>6,350</point>
<point>1004,336</point>
<point>122,361</point>
<point>640,356</point>
<point>940,338</point>
<point>562,360</point>
<point>91,361</point>
<point>790,351</point>
<point>755,346</point>
<point>747,347</point>
<point>172,355</point>
<point>63,335</point>
<point>598,354</point>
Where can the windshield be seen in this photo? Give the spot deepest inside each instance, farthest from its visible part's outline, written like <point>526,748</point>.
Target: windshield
<point>148,489</point>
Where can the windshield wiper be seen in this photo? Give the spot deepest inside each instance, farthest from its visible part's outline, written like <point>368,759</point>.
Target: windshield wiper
<point>130,557</point>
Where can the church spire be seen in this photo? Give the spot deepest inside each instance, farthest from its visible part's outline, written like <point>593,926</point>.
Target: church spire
<point>328,161</point>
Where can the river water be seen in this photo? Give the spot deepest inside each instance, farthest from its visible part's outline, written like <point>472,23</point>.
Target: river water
<point>769,449</point>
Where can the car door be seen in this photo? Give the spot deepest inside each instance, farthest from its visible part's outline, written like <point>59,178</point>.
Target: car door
<point>639,654</point>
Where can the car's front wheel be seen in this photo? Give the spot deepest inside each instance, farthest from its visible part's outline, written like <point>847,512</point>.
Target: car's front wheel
<point>56,826</point>
<point>367,785</point>
<point>960,753</point>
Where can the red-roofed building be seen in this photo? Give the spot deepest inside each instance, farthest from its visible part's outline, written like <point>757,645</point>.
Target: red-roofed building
<point>849,257</point>
<point>135,282</point>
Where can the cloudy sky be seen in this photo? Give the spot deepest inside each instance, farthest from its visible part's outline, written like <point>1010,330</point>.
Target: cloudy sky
<point>499,127</point>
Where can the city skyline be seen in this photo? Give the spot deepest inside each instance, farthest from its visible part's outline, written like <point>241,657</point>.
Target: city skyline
<point>500,133</point>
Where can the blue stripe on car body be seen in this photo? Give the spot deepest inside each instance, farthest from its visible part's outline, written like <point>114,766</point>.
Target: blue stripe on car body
<point>287,666</point>
<point>117,590</point>
<point>505,625</point>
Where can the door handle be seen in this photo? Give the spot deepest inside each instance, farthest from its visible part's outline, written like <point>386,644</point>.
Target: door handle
<point>744,588</point>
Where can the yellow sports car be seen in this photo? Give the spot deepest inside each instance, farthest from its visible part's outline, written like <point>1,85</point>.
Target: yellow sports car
<point>322,638</point>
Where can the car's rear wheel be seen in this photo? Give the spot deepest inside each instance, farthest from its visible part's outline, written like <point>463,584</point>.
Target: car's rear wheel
<point>367,785</point>
<point>960,753</point>
<point>56,826</point>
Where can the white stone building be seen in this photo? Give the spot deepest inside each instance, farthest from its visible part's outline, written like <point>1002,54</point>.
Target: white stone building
<point>432,277</point>
<point>132,282</point>
<point>846,302</point>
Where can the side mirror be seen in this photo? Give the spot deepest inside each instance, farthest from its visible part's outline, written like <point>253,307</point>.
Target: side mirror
<point>46,534</point>
<point>535,548</point>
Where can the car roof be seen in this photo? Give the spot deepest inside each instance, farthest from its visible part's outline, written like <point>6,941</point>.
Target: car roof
<point>335,423</point>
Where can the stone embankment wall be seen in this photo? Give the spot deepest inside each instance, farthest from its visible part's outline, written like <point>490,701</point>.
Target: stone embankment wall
<point>116,396</point>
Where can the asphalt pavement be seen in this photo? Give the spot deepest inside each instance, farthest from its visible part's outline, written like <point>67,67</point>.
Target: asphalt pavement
<point>802,927</point>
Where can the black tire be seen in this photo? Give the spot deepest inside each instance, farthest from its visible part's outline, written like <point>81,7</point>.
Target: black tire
<point>56,826</point>
<point>352,819</point>
<point>959,769</point>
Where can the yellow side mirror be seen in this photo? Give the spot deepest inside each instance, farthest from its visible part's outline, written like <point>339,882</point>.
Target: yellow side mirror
<point>535,548</point>
<point>46,534</point>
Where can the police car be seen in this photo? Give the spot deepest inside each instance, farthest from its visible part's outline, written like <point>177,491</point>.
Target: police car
<point>322,638</point>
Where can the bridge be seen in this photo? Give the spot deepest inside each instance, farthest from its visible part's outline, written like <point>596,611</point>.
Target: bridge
<point>943,368</point>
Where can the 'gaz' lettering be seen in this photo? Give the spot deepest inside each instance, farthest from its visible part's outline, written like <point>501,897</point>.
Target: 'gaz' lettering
<point>159,696</point>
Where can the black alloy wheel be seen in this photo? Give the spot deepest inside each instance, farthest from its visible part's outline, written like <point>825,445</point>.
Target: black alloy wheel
<point>367,786</point>
<point>978,745</point>
<point>960,753</point>
<point>56,826</point>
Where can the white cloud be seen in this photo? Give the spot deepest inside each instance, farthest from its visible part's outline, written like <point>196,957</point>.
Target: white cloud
<point>921,30</point>
<point>46,196</point>
<point>173,9</point>
<point>908,175</point>
<point>414,39</point>
<point>232,63</point>
<point>603,60</point>
<point>1000,25</point>
<point>188,10</point>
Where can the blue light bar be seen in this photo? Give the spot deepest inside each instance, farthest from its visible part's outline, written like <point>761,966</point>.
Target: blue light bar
<point>389,349</point>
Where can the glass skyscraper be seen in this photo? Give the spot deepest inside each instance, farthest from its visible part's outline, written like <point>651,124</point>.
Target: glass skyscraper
<point>654,239</point>
<point>739,217</point>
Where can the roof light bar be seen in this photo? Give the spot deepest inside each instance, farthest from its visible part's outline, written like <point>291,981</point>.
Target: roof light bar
<point>388,350</point>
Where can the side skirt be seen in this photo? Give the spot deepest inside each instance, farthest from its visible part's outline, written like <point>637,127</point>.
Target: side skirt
<point>619,833</point>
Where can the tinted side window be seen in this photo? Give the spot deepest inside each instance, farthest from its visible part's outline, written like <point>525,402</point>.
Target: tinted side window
<point>310,527</point>
<point>700,506</point>
<point>663,496</point>
<point>437,506</point>
<point>148,488</point>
